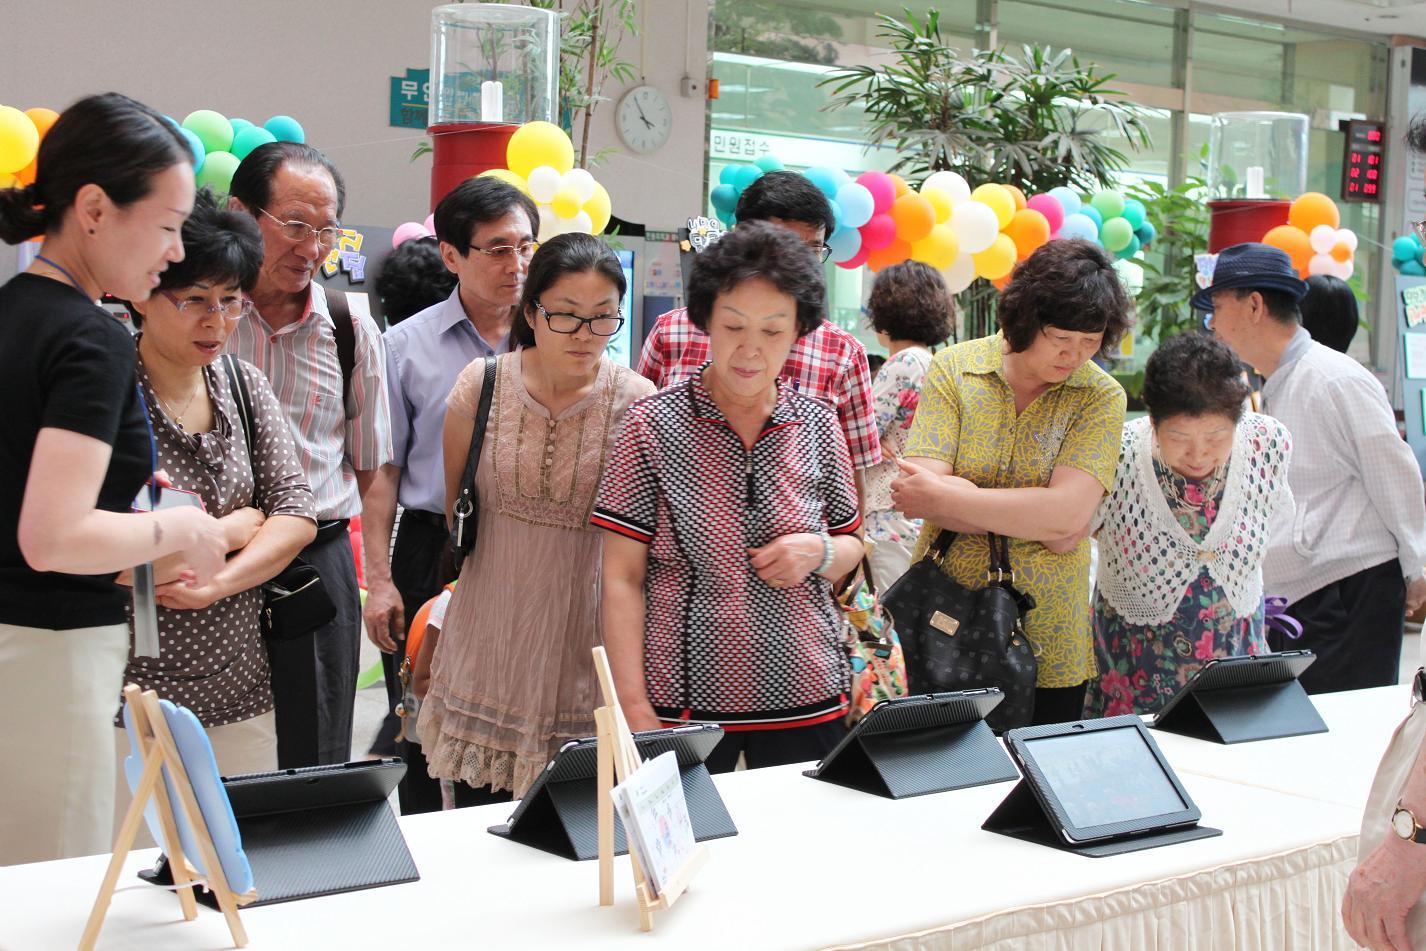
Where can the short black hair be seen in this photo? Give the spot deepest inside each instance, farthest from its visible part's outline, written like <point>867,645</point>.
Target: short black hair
<point>252,181</point>
<point>1070,284</point>
<point>1194,374</point>
<point>571,253</point>
<point>478,201</point>
<point>1329,311</point>
<point>412,278</point>
<point>758,250</point>
<point>1280,305</point>
<point>910,301</point>
<point>220,247</point>
<point>108,140</point>
<point>1416,134</point>
<point>789,196</point>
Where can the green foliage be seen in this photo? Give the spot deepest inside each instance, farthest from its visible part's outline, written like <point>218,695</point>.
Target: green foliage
<point>1180,215</point>
<point>1033,120</point>
<point>775,30</point>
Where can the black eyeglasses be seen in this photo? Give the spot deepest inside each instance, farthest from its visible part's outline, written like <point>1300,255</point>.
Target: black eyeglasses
<point>822,251</point>
<point>301,231</point>
<point>601,325</point>
<point>505,252</point>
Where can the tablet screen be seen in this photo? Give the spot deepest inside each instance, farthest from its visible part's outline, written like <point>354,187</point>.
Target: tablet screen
<point>1105,776</point>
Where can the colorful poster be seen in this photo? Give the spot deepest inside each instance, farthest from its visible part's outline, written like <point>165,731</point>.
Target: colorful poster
<point>1414,299</point>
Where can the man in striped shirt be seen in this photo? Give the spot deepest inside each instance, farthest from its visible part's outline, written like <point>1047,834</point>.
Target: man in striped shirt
<point>342,428</point>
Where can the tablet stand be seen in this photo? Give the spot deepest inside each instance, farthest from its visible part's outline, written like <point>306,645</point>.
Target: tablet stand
<point>1021,816</point>
<point>1243,714</point>
<point>161,754</point>
<point>921,761</point>
<point>619,756</point>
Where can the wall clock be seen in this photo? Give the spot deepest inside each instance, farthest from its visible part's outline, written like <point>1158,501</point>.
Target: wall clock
<point>644,119</point>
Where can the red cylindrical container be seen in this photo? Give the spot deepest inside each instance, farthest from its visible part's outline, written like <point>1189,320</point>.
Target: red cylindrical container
<point>1238,221</point>
<point>463,149</point>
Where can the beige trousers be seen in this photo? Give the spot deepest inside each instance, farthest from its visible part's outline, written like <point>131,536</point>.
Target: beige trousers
<point>248,746</point>
<point>1391,776</point>
<point>58,694</point>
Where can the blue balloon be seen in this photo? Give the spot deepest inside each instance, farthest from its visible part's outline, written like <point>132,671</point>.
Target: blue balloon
<point>1129,250</point>
<point>829,180</point>
<point>285,129</point>
<point>1134,212</point>
<point>1413,268</point>
<point>195,145</point>
<point>846,243</point>
<point>746,175</point>
<point>836,215</point>
<point>1092,213</point>
<point>724,198</point>
<point>1080,225</point>
<point>1405,248</point>
<point>769,163</point>
<point>728,218</point>
<point>1068,198</point>
<point>728,175</point>
<point>1146,234</point>
<point>857,204</point>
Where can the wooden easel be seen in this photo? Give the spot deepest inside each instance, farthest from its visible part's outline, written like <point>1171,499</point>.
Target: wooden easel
<point>159,752</point>
<point>618,756</point>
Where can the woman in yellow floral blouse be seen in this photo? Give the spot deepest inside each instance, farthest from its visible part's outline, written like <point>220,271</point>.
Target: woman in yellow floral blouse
<point>1018,434</point>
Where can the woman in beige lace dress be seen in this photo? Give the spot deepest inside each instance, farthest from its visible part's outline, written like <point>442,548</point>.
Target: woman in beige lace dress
<point>511,676</point>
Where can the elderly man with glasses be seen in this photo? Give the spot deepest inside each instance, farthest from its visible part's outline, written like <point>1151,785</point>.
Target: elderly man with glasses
<point>486,232</point>
<point>323,354</point>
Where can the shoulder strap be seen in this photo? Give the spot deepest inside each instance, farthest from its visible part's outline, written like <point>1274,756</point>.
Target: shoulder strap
<point>477,436</point>
<point>340,310</point>
<point>239,387</point>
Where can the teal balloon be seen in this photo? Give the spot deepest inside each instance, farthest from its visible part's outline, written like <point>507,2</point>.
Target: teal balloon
<point>1109,204</point>
<point>249,139</point>
<point>212,129</point>
<point>827,179</point>
<point>1129,250</point>
<point>218,169</point>
<point>1405,248</point>
<point>845,244</point>
<point>728,218</point>
<point>728,175</point>
<point>285,129</point>
<point>1413,268</point>
<point>1080,225</point>
<point>770,163</point>
<point>747,174</point>
<point>239,125</point>
<point>1068,198</point>
<point>1146,233</point>
<point>724,198</point>
<point>1092,213</point>
<point>1134,212</point>
<point>195,145</point>
<point>1115,234</point>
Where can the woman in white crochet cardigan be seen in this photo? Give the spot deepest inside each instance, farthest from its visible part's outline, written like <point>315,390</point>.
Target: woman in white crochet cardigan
<point>1182,536</point>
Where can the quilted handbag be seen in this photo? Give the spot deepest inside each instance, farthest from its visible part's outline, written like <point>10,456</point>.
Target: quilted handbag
<point>878,666</point>
<point>958,639</point>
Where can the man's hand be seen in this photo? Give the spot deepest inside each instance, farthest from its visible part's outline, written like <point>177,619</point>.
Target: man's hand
<point>1416,594</point>
<point>1381,892</point>
<point>385,619</point>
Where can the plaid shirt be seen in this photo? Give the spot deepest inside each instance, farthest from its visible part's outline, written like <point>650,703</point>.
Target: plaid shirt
<point>828,364</point>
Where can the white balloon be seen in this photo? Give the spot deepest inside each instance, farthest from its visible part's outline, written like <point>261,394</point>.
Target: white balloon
<point>1322,238</point>
<point>960,274</point>
<point>549,223</point>
<point>1322,263</point>
<point>582,223</point>
<point>1344,269</point>
<point>544,182</point>
<point>581,181</point>
<point>1348,237</point>
<point>950,183</point>
<point>975,226</point>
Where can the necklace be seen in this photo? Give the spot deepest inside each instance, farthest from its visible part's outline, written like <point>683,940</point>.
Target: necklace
<point>178,417</point>
<point>1174,486</point>
<point>67,276</point>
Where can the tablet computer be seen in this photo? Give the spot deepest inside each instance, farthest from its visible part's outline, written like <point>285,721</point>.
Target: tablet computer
<point>1238,699</point>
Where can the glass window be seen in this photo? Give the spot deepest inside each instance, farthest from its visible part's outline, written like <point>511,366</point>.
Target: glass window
<point>1132,40</point>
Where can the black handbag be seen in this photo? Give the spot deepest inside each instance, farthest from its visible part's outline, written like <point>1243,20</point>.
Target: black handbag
<point>295,602</point>
<point>467,503</point>
<point>958,639</point>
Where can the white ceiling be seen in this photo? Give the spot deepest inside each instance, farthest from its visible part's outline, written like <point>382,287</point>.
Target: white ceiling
<point>1388,17</point>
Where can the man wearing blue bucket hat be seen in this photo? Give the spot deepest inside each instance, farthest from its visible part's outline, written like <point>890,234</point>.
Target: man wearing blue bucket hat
<point>1349,561</point>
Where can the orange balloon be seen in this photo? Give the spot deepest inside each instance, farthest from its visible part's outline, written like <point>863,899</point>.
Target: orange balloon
<point>899,184</point>
<point>894,253</point>
<point>42,118</point>
<point>1341,252</point>
<point>1028,229</point>
<point>1018,195</point>
<point>1312,209</point>
<point>26,175</point>
<point>1003,282</point>
<point>914,216</point>
<point>1294,241</point>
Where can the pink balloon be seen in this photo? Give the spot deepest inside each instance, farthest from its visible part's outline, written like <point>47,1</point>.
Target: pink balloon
<point>405,232</point>
<point>430,223</point>
<point>879,232</point>
<point>855,261</point>
<point>883,190</point>
<point>1050,207</point>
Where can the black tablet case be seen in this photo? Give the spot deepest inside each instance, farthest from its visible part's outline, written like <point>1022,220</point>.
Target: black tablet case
<point>913,751</point>
<point>561,814</point>
<point>1255,700</point>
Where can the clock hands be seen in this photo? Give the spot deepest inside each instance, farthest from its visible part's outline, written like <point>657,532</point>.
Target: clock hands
<point>645,118</point>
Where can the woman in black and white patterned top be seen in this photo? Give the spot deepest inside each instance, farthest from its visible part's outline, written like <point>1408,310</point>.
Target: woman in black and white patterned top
<point>212,659</point>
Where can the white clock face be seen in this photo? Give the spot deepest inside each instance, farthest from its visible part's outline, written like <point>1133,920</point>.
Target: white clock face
<point>645,119</point>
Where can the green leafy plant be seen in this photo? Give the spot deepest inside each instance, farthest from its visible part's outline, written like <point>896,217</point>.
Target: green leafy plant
<point>1034,120</point>
<point>1180,215</point>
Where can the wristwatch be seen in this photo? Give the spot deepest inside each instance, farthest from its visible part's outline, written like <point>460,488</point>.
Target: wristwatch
<point>1404,824</point>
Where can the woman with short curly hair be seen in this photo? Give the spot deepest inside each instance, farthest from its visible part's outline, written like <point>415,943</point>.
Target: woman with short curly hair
<point>1018,435</point>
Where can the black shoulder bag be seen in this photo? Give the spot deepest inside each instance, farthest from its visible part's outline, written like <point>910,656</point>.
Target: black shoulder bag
<point>467,502</point>
<point>296,601</point>
<point>958,639</point>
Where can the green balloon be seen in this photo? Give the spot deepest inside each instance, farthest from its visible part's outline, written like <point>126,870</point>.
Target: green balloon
<point>217,171</point>
<point>1130,249</point>
<point>1115,234</point>
<point>1110,204</point>
<point>250,138</point>
<point>212,128</point>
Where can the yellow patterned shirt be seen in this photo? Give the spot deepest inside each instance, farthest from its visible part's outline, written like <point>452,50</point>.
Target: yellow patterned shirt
<point>966,417</point>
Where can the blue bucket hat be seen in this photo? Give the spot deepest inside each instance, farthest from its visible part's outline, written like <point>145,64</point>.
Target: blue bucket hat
<point>1254,266</point>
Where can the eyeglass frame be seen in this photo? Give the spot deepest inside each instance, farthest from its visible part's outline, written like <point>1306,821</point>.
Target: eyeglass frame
<point>1419,229</point>
<point>246,307</point>
<point>311,231</point>
<point>583,321</point>
<point>823,252</point>
<point>502,252</point>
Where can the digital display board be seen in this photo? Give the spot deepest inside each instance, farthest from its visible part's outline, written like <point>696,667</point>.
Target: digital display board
<point>1363,162</point>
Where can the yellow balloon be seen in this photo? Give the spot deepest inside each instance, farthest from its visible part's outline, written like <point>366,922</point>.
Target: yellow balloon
<point>997,260</point>
<point>539,143</point>
<point>565,204</point>
<point>999,199</point>
<point>508,177</point>
<point>599,209</point>
<point>8,181</point>
<point>938,249</point>
<point>940,203</point>
<point>19,140</point>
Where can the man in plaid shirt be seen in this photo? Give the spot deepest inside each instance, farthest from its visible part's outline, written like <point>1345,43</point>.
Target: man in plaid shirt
<point>828,364</point>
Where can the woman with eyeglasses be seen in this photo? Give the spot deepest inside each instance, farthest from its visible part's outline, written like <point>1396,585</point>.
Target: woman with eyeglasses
<point>211,658</point>
<point>510,674</point>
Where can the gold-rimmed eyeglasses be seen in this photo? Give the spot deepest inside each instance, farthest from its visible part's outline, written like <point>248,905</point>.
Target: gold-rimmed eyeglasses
<point>300,231</point>
<point>505,252</point>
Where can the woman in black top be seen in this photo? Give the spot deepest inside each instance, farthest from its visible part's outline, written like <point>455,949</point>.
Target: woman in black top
<point>114,185</point>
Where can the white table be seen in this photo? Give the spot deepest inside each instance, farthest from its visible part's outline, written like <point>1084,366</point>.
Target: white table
<point>817,865</point>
